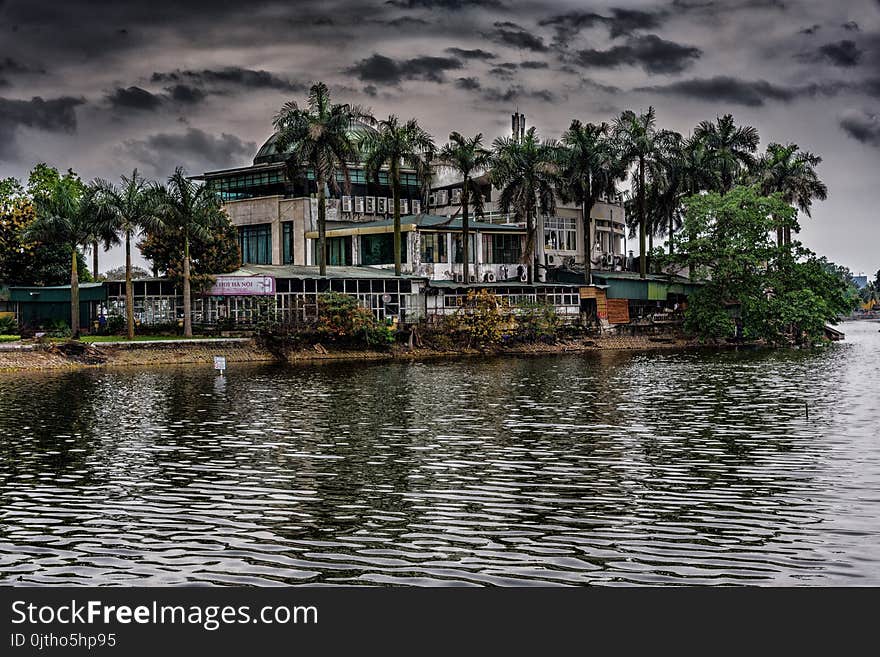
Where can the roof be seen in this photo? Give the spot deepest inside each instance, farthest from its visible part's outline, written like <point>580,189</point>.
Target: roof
<point>633,275</point>
<point>422,221</point>
<point>514,283</point>
<point>303,271</point>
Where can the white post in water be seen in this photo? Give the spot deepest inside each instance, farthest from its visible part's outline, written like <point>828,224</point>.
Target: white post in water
<point>220,364</point>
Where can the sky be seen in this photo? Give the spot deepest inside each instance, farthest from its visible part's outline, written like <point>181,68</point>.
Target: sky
<point>104,87</point>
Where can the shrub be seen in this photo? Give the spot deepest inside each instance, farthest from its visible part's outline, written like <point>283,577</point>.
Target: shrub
<point>116,325</point>
<point>483,319</point>
<point>537,322</point>
<point>8,325</point>
<point>9,338</point>
<point>341,320</point>
<point>59,329</point>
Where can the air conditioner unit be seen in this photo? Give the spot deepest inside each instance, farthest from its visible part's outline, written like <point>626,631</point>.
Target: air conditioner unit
<point>416,206</point>
<point>370,205</point>
<point>381,205</point>
<point>459,277</point>
<point>473,279</point>
<point>359,204</point>
<point>456,196</point>
<point>404,206</point>
<point>346,203</point>
<point>390,202</point>
<point>551,259</point>
<point>490,277</point>
<point>432,200</point>
<point>443,197</point>
<point>524,277</point>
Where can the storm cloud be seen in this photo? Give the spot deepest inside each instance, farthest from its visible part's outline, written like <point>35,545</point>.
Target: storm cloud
<point>385,70</point>
<point>653,54</point>
<point>52,115</point>
<point>862,126</point>
<point>194,149</point>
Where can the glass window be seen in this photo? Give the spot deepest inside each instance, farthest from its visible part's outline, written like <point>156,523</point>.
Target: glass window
<point>434,247</point>
<point>501,249</point>
<point>472,247</point>
<point>255,243</point>
<point>379,249</point>
<point>339,251</point>
<point>560,234</point>
<point>287,243</point>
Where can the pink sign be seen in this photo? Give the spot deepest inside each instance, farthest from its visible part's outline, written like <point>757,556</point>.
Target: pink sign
<point>225,286</point>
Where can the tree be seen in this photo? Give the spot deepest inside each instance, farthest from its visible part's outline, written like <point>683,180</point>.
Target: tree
<point>67,215</point>
<point>185,211</point>
<point>318,138</point>
<point>396,144</point>
<point>791,172</point>
<point>466,157</point>
<point>588,170</point>
<point>635,135</point>
<point>128,208</point>
<point>525,170</point>
<point>731,148</point>
<point>726,243</point>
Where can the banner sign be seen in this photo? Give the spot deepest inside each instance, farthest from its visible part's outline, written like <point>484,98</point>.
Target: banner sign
<point>225,286</point>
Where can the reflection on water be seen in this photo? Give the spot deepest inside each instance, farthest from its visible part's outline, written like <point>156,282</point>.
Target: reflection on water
<point>614,468</point>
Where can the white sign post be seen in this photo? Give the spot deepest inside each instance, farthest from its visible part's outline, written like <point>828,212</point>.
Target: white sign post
<point>220,364</point>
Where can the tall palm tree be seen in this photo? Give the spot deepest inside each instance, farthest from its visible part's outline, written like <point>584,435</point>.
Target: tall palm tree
<point>589,169</point>
<point>318,137</point>
<point>792,172</point>
<point>185,210</point>
<point>466,157</point>
<point>128,208</point>
<point>731,148</point>
<point>395,144</point>
<point>635,137</point>
<point>526,170</point>
<point>68,215</point>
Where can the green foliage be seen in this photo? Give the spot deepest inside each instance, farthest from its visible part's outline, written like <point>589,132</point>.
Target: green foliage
<point>9,338</point>
<point>483,318</point>
<point>115,324</point>
<point>537,322</point>
<point>342,320</point>
<point>8,324</point>
<point>59,328</point>
<point>784,293</point>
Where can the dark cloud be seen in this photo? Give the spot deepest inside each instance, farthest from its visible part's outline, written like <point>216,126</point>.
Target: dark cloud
<point>515,36</point>
<point>134,98</point>
<point>467,83</point>
<point>533,64</point>
<point>53,115</point>
<point>722,88</point>
<point>449,5</point>
<point>230,76</point>
<point>517,93</point>
<point>850,26</point>
<point>652,53</point>
<point>476,53</point>
<point>186,94</point>
<point>621,22</point>
<point>841,53</point>
<point>384,70</point>
<point>862,126</point>
<point>404,21</point>
<point>503,70</point>
<point>811,30</point>
<point>194,149</point>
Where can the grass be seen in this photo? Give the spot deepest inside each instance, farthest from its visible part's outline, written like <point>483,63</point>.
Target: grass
<point>9,338</point>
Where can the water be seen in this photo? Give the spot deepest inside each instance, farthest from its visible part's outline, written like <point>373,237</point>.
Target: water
<point>610,468</point>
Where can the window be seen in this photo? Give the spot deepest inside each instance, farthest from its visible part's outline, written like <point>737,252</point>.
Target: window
<point>287,243</point>
<point>434,247</point>
<point>501,249</point>
<point>560,234</point>
<point>472,247</point>
<point>255,243</point>
<point>379,249</point>
<point>339,251</point>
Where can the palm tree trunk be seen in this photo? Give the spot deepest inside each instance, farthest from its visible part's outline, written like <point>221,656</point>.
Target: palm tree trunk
<point>530,247</point>
<point>588,223</point>
<point>95,260</point>
<point>465,233</point>
<point>643,262</point>
<point>395,193</point>
<point>129,301</point>
<point>671,231</point>
<point>187,301</point>
<point>74,296</point>
<point>787,233</point>
<point>322,228</point>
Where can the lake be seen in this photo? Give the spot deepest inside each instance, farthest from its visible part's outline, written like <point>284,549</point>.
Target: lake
<point>613,468</point>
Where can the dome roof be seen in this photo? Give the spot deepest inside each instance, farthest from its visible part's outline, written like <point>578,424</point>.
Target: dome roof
<point>268,152</point>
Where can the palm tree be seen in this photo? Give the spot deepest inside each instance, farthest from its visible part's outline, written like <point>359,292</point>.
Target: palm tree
<point>635,136</point>
<point>68,215</point>
<point>185,210</point>
<point>791,172</point>
<point>318,137</point>
<point>731,148</point>
<point>588,170</point>
<point>526,170</point>
<point>466,157</point>
<point>396,144</point>
<point>128,207</point>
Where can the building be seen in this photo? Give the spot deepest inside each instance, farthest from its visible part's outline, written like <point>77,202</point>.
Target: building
<point>273,213</point>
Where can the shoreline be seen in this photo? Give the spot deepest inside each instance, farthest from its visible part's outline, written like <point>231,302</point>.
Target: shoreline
<point>76,355</point>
